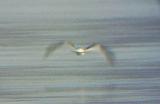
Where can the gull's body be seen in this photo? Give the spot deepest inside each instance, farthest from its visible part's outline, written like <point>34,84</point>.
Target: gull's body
<point>82,51</point>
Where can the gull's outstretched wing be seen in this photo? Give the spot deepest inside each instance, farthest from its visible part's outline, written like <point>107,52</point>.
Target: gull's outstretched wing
<point>53,47</point>
<point>105,51</point>
<point>70,44</point>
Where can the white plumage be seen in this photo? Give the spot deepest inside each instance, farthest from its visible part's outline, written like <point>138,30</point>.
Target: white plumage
<point>82,51</point>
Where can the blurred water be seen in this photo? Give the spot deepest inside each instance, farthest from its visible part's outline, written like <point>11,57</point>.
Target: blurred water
<point>130,28</point>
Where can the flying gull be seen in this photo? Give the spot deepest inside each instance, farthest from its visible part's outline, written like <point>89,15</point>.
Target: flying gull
<point>81,51</point>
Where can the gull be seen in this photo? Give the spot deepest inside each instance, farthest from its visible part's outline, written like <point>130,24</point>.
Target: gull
<point>108,55</point>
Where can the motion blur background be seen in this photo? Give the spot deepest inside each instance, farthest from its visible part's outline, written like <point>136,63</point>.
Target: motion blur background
<point>131,28</point>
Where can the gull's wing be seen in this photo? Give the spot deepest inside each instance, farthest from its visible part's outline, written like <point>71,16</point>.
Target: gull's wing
<point>106,53</point>
<point>70,44</point>
<point>53,47</point>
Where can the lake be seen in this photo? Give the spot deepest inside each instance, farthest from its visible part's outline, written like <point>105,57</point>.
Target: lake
<point>130,29</point>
